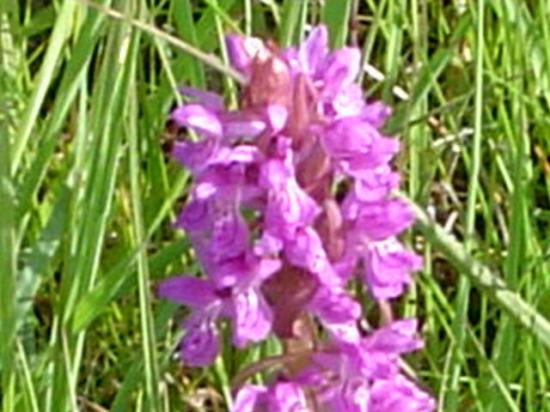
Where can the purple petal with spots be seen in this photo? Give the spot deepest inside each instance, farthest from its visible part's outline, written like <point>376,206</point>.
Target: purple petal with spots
<point>200,344</point>
<point>388,266</point>
<point>252,317</point>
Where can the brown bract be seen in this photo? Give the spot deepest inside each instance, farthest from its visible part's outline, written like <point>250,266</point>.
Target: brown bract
<point>269,83</point>
<point>288,292</point>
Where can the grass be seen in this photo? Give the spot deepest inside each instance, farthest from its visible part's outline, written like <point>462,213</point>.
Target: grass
<point>88,194</point>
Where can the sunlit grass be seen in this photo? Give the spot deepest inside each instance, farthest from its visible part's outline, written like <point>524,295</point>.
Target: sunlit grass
<point>88,193</point>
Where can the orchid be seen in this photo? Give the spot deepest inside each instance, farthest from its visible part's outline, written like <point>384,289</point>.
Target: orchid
<point>291,200</point>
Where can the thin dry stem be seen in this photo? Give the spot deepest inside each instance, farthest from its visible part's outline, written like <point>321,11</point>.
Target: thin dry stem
<point>207,59</point>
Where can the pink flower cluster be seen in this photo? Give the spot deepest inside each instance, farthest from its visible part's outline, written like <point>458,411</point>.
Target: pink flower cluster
<point>291,200</point>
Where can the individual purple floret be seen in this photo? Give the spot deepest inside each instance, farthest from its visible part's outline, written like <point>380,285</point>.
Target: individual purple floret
<point>291,201</point>
<point>344,377</point>
<point>234,293</point>
<point>279,397</point>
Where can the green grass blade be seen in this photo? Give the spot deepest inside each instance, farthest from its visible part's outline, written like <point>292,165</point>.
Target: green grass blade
<point>187,48</point>
<point>8,253</point>
<point>463,295</point>
<point>153,402</point>
<point>482,276</point>
<point>289,21</point>
<point>183,16</point>
<point>61,32</point>
<point>92,304</point>
<point>336,16</point>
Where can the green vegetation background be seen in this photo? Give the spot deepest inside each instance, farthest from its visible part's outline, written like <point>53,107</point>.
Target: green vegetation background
<point>88,193</point>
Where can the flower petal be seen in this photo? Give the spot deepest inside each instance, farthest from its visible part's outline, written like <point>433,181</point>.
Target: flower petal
<point>373,185</point>
<point>208,99</point>
<point>384,219</point>
<point>200,344</point>
<point>199,118</point>
<point>187,290</point>
<point>387,268</point>
<point>248,398</point>
<point>305,249</point>
<point>376,113</point>
<point>242,50</point>
<point>341,69</point>
<point>252,317</point>
<point>229,236</point>
<point>399,394</point>
<point>236,126</point>
<point>277,116</point>
<point>196,216</point>
<point>399,337</point>
<point>314,50</point>
<point>195,155</point>
<point>287,397</point>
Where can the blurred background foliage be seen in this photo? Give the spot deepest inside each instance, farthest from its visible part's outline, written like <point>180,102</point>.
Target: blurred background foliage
<point>88,191</point>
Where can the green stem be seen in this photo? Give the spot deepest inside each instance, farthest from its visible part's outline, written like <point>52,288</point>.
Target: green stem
<point>483,277</point>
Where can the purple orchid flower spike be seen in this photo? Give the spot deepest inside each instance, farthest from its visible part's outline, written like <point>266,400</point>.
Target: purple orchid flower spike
<point>291,200</point>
